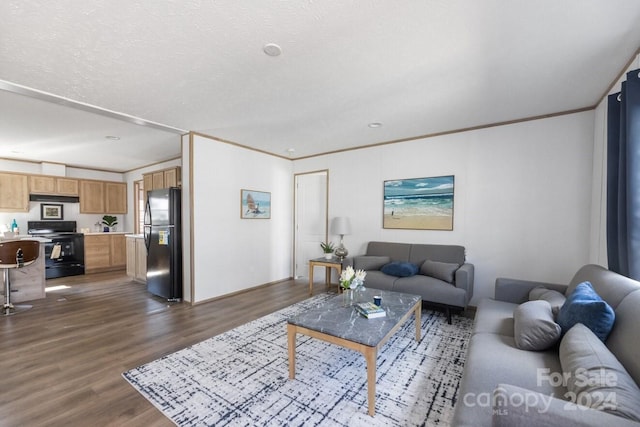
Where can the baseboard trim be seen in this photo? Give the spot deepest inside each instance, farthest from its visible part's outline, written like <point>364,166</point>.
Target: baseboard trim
<point>242,291</point>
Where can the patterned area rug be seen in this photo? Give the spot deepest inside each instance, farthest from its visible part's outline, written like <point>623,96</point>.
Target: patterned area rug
<point>241,377</point>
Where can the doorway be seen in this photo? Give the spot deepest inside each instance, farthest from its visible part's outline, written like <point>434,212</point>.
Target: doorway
<point>311,207</point>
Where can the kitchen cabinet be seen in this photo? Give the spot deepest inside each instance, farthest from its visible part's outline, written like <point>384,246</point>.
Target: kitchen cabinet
<point>165,178</point>
<point>103,197</point>
<point>14,189</point>
<point>104,252</point>
<point>136,258</point>
<point>43,184</point>
<point>92,197</point>
<point>115,198</point>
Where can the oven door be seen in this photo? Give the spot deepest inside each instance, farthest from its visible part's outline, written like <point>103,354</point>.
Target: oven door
<point>64,256</point>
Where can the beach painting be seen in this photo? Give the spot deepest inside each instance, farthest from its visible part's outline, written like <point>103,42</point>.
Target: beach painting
<point>255,204</point>
<point>419,203</point>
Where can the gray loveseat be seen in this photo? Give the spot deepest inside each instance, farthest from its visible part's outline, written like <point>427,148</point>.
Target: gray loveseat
<point>503,385</point>
<point>443,277</point>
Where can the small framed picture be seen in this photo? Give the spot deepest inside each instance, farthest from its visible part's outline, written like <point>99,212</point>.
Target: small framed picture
<point>255,204</point>
<point>50,211</point>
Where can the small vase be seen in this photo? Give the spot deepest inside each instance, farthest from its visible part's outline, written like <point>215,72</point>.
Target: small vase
<point>347,297</point>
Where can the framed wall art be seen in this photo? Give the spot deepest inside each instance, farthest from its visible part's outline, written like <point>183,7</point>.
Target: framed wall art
<point>51,211</point>
<point>255,204</point>
<point>419,203</point>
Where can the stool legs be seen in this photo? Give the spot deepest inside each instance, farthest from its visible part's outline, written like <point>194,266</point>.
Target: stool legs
<point>8,308</point>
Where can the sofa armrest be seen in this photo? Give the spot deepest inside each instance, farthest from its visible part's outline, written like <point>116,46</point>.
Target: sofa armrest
<point>517,291</point>
<point>517,406</point>
<point>464,279</point>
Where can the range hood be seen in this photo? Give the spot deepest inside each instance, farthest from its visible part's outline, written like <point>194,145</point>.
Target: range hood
<point>54,199</point>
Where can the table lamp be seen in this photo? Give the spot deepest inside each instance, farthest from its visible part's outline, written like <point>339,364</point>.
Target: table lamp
<point>341,226</point>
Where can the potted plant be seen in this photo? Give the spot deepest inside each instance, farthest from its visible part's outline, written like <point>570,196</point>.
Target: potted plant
<point>110,222</point>
<point>327,248</point>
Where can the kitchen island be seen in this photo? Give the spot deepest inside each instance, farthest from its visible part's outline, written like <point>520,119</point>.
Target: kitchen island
<point>28,283</point>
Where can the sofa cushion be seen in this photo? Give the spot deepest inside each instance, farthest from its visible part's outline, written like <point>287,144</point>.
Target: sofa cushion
<point>585,306</point>
<point>554,298</point>
<point>440,270</point>
<point>431,290</point>
<point>534,327</point>
<point>595,378</point>
<point>400,269</point>
<point>370,262</point>
<point>494,317</point>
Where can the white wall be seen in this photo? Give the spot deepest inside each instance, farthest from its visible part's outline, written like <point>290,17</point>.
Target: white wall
<point>522,195</point>
<point>231,254</point>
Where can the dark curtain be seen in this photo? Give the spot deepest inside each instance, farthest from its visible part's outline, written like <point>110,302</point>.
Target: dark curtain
<point>623,178</point>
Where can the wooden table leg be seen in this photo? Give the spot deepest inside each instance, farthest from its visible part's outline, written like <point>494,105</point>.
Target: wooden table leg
<point>310,278</point>
<point>370,355</point>
<point>291,339</point>
<point>327,277</point>
<point>418,312</point>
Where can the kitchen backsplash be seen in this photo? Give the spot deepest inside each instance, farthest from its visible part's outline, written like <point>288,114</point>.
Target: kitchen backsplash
<point>70,212</point>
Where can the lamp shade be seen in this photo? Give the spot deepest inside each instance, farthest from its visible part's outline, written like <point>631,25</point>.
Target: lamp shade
<point>341,225</point>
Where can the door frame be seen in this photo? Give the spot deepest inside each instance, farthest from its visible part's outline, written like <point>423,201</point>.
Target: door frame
<point>295,211</point>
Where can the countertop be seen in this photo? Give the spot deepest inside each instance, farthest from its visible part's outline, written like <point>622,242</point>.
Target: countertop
<point>135,236</point>
<point>108,232</point>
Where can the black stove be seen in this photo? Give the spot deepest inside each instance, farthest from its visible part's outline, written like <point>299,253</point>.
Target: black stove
<point>64,254</point>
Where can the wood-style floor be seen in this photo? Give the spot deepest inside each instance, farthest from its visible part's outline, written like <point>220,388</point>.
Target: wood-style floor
<point>61,362</point>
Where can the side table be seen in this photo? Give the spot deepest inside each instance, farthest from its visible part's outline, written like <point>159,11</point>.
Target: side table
<point>328,264</point>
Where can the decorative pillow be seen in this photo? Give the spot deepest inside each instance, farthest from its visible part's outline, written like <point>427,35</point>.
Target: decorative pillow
<point>370,262</point>
<point>440,270</point>
<point>400,269</point>
<point>585,306</point>
<point>534,328</point>
<point>595,377</point>
<point>555,298</point>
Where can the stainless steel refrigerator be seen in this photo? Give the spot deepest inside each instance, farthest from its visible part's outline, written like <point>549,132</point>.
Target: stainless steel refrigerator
<point>163,238</point>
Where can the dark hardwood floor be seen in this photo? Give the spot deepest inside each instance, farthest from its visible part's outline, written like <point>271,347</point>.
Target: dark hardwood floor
<point>61,362</point>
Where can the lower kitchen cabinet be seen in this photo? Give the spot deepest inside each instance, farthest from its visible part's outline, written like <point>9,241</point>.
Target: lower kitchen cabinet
<point>104,252</point>
<point>136,258</point>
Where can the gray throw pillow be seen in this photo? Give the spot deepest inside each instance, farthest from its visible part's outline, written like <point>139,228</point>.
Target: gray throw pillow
<point>595,377</point>
<point>440,270</point>
<point>370,262</point>
<point>534,327</point>
<point>555,298</point>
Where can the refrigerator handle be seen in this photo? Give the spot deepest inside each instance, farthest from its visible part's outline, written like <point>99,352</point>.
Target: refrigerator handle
<point>147,214</point>
<point>147,237</point>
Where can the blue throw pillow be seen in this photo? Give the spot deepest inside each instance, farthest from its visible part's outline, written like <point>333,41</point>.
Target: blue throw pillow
<point>400,269</point>
<point>585,306</point>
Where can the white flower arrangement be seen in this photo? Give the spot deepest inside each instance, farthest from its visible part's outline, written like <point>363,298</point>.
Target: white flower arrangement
<point>351,279</point>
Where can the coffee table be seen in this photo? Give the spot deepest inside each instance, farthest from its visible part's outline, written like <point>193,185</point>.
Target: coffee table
<point>334,323</point>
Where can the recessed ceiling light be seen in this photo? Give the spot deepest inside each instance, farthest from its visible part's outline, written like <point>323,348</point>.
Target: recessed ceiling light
<point>375,125</point>
<point>272,49</point>
<point>112,137</point>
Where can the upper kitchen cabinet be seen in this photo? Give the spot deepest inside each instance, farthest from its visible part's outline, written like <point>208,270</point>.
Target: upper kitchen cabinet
<point>165,178</point>
<point>115,197</point>
<point>14,189</point>
<point>100,197</point>
<point>92,197</point>
<point>42,184</point>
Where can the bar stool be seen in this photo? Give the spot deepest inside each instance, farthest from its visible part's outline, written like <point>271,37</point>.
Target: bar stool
<point>16,254</point>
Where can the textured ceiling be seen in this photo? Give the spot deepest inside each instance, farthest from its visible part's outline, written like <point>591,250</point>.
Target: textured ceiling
<point>418,67</point>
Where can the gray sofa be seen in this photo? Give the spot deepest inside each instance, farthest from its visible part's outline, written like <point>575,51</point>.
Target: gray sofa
<point>503,385</point>
<point>443,278</point>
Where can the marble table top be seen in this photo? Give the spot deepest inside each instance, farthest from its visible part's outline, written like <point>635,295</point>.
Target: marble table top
<point>332,318</point>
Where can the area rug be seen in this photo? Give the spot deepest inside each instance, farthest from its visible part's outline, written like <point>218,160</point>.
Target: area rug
<point>241,377</point>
